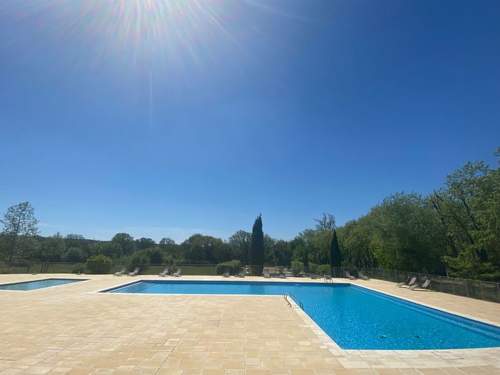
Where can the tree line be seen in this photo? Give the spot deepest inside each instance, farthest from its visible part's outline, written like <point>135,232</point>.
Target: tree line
<point>453,231</point>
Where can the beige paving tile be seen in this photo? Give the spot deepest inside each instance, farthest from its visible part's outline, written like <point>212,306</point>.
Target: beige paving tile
<point>74,330</point>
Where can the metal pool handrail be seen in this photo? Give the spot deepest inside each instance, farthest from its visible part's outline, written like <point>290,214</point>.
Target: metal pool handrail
<point>286,299</point>
<point>294,299</point>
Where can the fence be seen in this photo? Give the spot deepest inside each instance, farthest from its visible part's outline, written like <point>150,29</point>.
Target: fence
<point>484,290</point>
<point>59,267</point>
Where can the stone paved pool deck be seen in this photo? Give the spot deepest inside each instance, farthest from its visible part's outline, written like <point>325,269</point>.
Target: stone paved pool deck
<point>73,329</point>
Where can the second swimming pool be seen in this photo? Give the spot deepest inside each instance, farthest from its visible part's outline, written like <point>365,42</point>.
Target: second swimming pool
<point>37,284</point>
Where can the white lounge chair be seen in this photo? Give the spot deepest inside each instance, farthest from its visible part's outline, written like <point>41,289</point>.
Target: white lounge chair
<point>134,272</point>
<point>404,282</point>
<point>177,273</point>
<point>363,276</point>
<point>410,283</point>
<point>425,285</point>
<point>349,276</point>
<point>121,272</point>
<point>164,272</point>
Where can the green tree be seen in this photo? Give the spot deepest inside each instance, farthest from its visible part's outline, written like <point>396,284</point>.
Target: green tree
<point>469,211</point>
<point>325,223</point>
<point>52,249</point>
<point>124,242</point>
<point>297,267</point>
<point>269,255</point>
<point>155,256</point>
<point>165,242</point>
<point>140,260</point>
<point>240,245</point>
<point>300,250</point>
<point>110,249</point>
<point>144,243</point>
<point>20,226</point>
<point>79,242</point>
<point>256,254</point>
<point>74,255</point>
<point>170,248</point>
<point>409,234</point>
<point>205,249</point>
<point>99,264</point>
<point>335,255</point>
<point>355,239</point>
<point>313,245</point>
<point>282,253</point>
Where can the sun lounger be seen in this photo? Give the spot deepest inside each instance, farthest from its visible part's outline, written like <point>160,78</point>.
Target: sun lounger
<point>410,283</point>
<point>404,282</point>
<point>177,273</point>
<point>266,274</point>
<point>349,276</point>
<point>121,272</point>
<point>425,285</point>
<point>134,272</point>
<point>363,276</point>
<point>164,272</point>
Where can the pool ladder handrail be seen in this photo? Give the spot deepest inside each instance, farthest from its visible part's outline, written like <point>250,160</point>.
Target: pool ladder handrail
<point>295,299</point>
<point>328,281</point>
<point>287,301</point>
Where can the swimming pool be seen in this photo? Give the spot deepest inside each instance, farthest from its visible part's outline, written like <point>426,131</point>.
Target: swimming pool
<point>37,284</point>
<point>354,317</point>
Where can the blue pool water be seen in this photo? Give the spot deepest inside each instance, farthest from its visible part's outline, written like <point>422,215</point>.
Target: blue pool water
<point>37,284</point>
<point>354,317</point>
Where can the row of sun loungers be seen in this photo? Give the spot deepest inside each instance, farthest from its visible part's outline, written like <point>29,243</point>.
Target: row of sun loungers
<point>410,283</point>
<point>361,275</point>
<point>137,270</point>
<point>168,272</point>
<point>124,272</point>
<point>240,274</point>
<point>267,274</point>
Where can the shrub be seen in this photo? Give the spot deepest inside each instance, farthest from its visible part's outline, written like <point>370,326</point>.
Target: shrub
<point>324,269</point>
<point>99,264</point>
<point>233,267</point>
<point>313,268</point>
<point>169,260</point>
<point>73,255</point>
<point>297,267</point>
<point>138,260</point>
<point>155,256</point>
<point>353,271</point>
<point>79,268</point>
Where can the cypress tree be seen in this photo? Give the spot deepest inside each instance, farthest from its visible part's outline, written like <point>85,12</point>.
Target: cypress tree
<point>256,256</point>
<point>335,255</point>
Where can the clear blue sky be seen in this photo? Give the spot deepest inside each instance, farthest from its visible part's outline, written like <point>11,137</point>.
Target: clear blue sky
<point>166,118</point>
